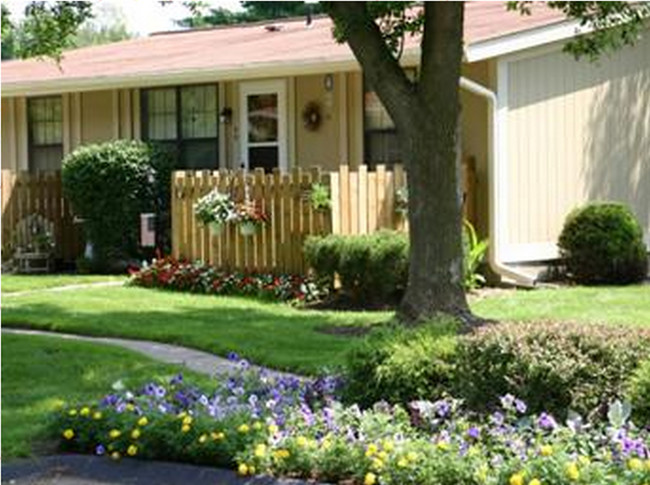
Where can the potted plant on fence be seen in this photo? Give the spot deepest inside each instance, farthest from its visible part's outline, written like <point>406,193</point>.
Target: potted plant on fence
<point>215,210</point>
<point>249,216</point>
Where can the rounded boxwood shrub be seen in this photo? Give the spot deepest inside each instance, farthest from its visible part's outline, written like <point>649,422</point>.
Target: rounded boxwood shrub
<point>400,364</point>
<point>603,243</point>
<point>371,267</point>
<point>109,185</point>
<point>638,393</point>
<point>552,367</point>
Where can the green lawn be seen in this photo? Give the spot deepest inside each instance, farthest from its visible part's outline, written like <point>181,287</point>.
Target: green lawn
<point>623,305</point>
<point>277,335</point>
<point>38,373</point>
<point>271,334</point>
<point>12,283</point>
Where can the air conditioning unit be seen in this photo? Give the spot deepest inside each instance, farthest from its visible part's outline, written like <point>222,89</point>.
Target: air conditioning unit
<point>148,230</point>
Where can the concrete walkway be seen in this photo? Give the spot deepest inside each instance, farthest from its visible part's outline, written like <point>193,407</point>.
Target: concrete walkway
<point>195,360</point>
<point>55,289</point>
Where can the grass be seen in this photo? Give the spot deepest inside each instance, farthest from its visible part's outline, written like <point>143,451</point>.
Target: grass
<point>12,283</point>
<point>277,335</point>
<point>38,373</point>
<point>271,334</point>
<point>623,305</point>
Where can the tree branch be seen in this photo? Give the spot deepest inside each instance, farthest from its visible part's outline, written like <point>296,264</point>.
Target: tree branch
<point>358,28</point>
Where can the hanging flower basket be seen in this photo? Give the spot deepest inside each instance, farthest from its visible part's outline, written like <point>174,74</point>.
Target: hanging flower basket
<point>249,217</point>
<point>216,228</point>
<point>248,229</point>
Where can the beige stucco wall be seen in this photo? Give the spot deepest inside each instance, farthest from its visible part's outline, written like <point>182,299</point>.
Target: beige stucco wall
<point>98,116</point>
<point>575,131</point>
<point>322,146</point>
<point>474,132</point>
<point>7,141</point>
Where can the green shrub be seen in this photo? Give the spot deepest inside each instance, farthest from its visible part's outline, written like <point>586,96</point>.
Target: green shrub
<point>553,367</point>
<point>400,364</point>
<point>638,392</point>
<point>603,243</point>
<point>109,185</point>
<point>371,267</point>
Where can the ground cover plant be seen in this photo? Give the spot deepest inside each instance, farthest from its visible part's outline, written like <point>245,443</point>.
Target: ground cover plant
<point>41,373</point>
<point>12,283</point>
<point>554,367</point>
<point>171,274</point>
<point>257,423</point>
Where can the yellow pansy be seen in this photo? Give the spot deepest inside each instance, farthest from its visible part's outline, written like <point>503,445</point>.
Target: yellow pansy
<point>546,450</point>
<point>132,450</point>
<point>273,428</point>
<point>130,407</point>
<point>281,454</point>
<point>143,421</point>
<point>135,434</point>
<point>114,433</point>
<point>217,436</point>
<point>68,434</point>
<point>411,456</point>
<point>517,479</point>
<point>72,412</point>
<point>244,428</point>
<point>182,414</point>
<point>301,441</point>
<point>534,481</point>
<point>377,464</point>
<point>257,425</point>
<point>85,411</point>
<point>203,438</point>
<point>115,455</point>
<point>402,463</point>
<point>572,472</point>
<point>242,469</point>
<point>442,445</point>
<point>260,450</point>
<point>371,450</point>
<point>388,446</point>
<point>635,464</point>
<point>185,428</point>
<point>187,420</point>
<point>251,470</point>
<point>97,415</point>
<point>370,479</point>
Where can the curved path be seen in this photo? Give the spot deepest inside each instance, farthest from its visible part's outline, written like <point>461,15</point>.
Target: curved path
<point>55,289</point>
<point>195,360</point>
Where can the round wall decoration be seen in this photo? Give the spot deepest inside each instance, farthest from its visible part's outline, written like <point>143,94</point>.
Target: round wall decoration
<point>311,116</point>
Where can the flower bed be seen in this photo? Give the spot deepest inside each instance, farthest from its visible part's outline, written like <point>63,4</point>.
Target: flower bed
<point>282,426</point>
<point>172,274</point>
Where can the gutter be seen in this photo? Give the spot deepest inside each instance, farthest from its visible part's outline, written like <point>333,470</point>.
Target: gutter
<point>496,160</point>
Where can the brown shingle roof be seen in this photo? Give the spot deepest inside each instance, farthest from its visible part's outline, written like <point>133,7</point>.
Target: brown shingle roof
<point>237,50</point>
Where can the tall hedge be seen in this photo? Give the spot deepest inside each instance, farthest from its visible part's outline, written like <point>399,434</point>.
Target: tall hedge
<point>109,185</point>
<point>603,244</point>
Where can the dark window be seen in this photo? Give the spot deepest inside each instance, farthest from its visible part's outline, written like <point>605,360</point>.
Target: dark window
<point>380,135</point>
<point>45,119</point>
<point>185,120</point>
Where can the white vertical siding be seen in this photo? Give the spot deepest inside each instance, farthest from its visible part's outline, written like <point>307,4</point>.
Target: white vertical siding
<point>576,131</point>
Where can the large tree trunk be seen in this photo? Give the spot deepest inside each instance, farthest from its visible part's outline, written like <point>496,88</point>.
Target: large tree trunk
<point>426,115</point>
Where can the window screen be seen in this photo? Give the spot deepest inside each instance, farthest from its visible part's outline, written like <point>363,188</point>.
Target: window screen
<point>45,119</point>
<point>184,120</point>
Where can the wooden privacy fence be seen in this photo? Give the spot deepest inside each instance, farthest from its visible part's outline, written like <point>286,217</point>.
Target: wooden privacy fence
<point>363,201</point>
<point>24,194</point>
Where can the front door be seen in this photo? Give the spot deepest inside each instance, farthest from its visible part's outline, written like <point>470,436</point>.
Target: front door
<point>263,125</point>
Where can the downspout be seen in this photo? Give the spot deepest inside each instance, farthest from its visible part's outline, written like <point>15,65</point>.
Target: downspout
<point>495,161</point>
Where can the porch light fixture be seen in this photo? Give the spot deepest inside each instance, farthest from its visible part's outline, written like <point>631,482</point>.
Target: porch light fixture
<point>225,116</point>
<point>329,82</point>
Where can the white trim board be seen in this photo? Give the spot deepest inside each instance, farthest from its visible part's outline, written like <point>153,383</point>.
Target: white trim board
<point>276,86</point>
<point>526,252</point>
